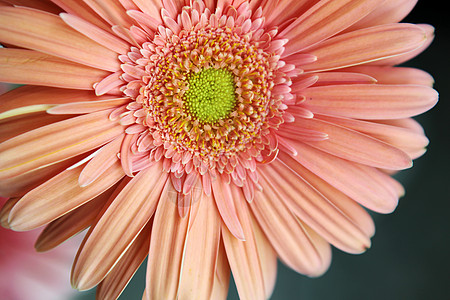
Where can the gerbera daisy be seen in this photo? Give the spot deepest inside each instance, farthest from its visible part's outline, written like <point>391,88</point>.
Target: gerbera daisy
<point>209,135</point>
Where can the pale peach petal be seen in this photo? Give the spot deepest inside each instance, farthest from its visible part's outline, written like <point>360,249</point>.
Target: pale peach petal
<point>28,95</point>
<point>243,256</point>
<point>375,195</point>
<point>95,33</point>
<point>395,75</point>
<point>117,279</point>
<point>49,34</point>
<point>17,125</point>
<point>399,137</point>
<point>117,227</point>
<point>103,159</point>
<point>200,254</point>
<point>278,12</point>
<point>365,45</point>
<point>56,142</point>
<point>167,245</point>
<point>396,60</point>
<point>30,67</point>
<point>221,275</point>
<point>333,78</point>
<point>348,206</point>
<point>111,11</point>
<point>324,20</point>
<point>286,234</point>
<point>316,210</point>
<point>267,258</point>
<point>354,146</point>
<point>58,196</point>
<point>390,11</point>
<point>371,101</point>
<point>68,225</point>
<point>85,107</point>
<point>22,184</point>
<point>225,204</point>
<point>151,8</point>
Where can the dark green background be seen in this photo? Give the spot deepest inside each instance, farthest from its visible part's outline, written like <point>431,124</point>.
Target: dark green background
<point>409,258</point>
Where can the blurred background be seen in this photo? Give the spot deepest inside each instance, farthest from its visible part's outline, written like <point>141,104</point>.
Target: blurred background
<point>410,254</point>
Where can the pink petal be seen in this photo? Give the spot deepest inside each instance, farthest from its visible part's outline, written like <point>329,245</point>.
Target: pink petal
<point>117,279</point>
<point>324,20</point>
<point>36,95</point>
<point>371,101</point>
<point>56,142</point>
<point>200,255</point>
<point>47,33</point>
<point>392,11</point>
<point>286,233</point>
<point>243,255</point>
<point>395,75</point>
<point>95,33</point>
<point>227,210</point>
<point>106,157</point>
<point>376,195</point>
<point>56,197</point>
<point>315,209</point>
<point>68,225</point>
<point>354,146</point>
<point>365,45</point>
<point>118,227</point>
<point>167,246</point>
<point>30,67</point>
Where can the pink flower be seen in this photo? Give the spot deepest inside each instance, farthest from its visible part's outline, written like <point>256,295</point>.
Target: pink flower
<point>209,135</point>
<point>26,274</point>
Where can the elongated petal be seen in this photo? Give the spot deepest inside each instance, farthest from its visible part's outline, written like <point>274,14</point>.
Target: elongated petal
<point>201,250</point>
<point>316,210</point>
<point>395,75</point>
<point>97,34</point>
<point>221,275</point>
<point>376,195</point>
<point>30,67</point>
<point>371,101</point>
<point>81,9</point>
<point>167,244</point>
<point>117,228</point>
<point>106,157</point>
<point>87,106</point>
<point>324,20</point>
<point>286,234</point>
<point>71,223</point>
<point>345,204</point>
<point>56,197</point>
<point>391,11</point>
<point>47,33</point>
<point>267,258</point>
<point>36,95</point>
<point>22,184</point>
<point>397,60</point>
<point>365,45</point>
<point>243,255</point>
<point>355,146</point>
<point>117,279</point>
<point>397,136</point>
<point>56,142</point>
<point>225,204</point>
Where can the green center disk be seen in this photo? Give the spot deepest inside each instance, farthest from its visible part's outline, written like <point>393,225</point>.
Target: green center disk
<point>211,95</point>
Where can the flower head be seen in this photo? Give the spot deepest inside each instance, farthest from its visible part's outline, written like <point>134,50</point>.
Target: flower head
<point>209,135</point>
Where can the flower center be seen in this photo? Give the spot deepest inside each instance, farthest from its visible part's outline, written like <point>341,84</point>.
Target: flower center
<point>211,94</point>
